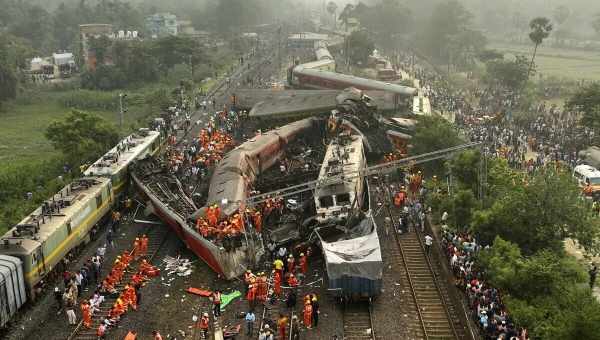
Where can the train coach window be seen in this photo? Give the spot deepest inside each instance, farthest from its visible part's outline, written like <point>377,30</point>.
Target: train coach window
<point>326,201</point>
<point>342,199</point>
<point>99,200</point>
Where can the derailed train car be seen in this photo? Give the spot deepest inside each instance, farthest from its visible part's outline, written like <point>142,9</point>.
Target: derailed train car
<point>348,234</point>
<point>240,167</point>
<point>229,185</point>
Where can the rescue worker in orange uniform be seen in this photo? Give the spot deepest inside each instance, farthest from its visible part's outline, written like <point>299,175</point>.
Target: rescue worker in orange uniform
<point>148,269</point>
<point>277,282</point>
<point>203,324</point>
<point>400,198</point>
<point>86,314</point>
<point>307,312</point>
<point>247,277</point>
<point>303,262</point>
<point>262,287</point>
<point>282,323</point>
<point>129,296</point>
<point>143,245</point>
<point>292,281</point>
<point>257,221</point>
<point>251,296</point>
<point>131,335</point>
<point>291,264</point>
<point>136,248</point>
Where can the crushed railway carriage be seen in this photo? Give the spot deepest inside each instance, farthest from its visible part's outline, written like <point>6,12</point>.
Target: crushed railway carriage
<point>344,155</point>
<point>44,237</point>
<point>353,262</point>
<point>229,186</point>
<point>12,287</point>
<point>115,163</point>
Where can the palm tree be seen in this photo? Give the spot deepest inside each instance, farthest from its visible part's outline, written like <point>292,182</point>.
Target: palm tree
<point>331,8</point>
<point>540,30</point>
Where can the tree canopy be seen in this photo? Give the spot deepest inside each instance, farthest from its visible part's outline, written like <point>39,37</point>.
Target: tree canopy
<point>537,213</point>
<point>547,292</point>
<point>82,137</point>
<point>587,101</point>
<point>510,74</point>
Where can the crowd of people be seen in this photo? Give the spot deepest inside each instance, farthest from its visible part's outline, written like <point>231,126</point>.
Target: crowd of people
<point>485,301</point>
<point>127,296</point>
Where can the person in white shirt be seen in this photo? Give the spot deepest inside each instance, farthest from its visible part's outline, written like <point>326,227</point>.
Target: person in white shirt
<point>428,243</point>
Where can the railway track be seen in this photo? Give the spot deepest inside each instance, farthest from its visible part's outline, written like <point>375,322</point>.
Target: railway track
<point>156,237</point>
<point>429,300</point>
<point>358,322</point>
<point>436,318</point>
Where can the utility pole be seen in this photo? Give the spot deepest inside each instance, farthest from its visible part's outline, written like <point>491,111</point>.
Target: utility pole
<point>192,66</point>
<point>279,48</point>
<point>122,110</point>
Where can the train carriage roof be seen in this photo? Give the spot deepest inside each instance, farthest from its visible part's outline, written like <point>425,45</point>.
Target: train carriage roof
<point>358,82</point>
<point>350,162</point>
<point>34,229</point>
<point>137,144</point>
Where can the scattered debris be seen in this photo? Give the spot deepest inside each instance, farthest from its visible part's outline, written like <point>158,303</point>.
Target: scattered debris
<point>177,265</point>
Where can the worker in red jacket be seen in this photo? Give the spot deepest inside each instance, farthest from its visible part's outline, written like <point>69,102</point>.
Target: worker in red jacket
<point>303,262</point>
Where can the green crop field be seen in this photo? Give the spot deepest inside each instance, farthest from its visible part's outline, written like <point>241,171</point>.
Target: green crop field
<point>22,128</point>
<point>568,63</point>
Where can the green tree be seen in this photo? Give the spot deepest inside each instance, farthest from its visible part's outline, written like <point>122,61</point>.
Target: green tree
<point>360,47</point>
<point>587,102</point>
<point>547,292</point>
<point>510,74</point>
<point>82,137</point>
<point>173,50</point>
<point>463,203</point>
<point>434,133</point>
<point>540,30</point>
<point>539,213</point>
<point>8,78</point>
<point>464,168</point>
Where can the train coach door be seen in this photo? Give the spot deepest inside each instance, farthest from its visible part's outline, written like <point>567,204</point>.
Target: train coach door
<point>38,258</point>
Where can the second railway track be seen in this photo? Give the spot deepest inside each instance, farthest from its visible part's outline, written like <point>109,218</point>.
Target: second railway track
<point>434,318</point>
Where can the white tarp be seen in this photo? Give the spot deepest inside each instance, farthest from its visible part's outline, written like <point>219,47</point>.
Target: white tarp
<point>356,257</point>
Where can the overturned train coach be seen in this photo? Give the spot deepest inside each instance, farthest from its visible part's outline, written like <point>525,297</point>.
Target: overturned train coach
<point>229,185</point>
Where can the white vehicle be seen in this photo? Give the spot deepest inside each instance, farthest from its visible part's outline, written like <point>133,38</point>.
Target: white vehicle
<point>587,175</point>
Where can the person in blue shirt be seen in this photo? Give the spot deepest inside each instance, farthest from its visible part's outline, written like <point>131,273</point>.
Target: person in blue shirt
<point>250,319</point>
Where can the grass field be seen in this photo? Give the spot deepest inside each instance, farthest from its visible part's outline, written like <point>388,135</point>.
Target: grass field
<point>23,125</point>
<point>560,62</point>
